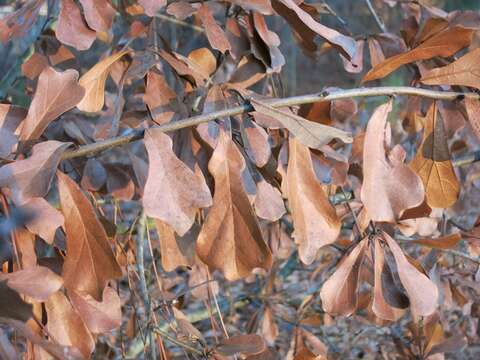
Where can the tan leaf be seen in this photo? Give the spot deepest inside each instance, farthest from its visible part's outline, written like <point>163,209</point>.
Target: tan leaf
<point>31,177</point>
<point>215,34</point>
<point>444,242</point>
<point>230,239</point>
<point>309,133</point>
<point>159,97</point>
<point>71,29</point>
<point>56,93</point>
<point>98,14</point>
<point>268,202</point>
<point>173,192</point>
<point>345,43</point>
<point>269,326</point>
<point>37,282</point>
<point>339,293</point>
<point>444,44</point>
<point>89,263</point>
<point>246,344</point>
<point>65,325</point>
<point>464,71</point>
<point>473,112</point>
<point>314,219</point>
<point>380,306</point>
<point>389,187</point>
<point>204,59</point>
<point>93,81</point>
<point>174,250</point>
<point>101,316</point>
<point>152,6</point>
<point>421,291</point>
<point>434,165</point>
<point>46,219</point>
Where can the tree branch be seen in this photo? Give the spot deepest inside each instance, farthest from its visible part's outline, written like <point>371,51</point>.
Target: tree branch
<point>99,146</point>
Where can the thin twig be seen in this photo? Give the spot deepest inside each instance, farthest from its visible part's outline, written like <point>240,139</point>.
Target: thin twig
<point>379,21</point>
<point>186,346</point>
<point>99,146</point>
<point>180,22</point>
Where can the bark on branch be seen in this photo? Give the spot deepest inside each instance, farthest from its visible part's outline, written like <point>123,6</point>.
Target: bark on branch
<point>99,146</point>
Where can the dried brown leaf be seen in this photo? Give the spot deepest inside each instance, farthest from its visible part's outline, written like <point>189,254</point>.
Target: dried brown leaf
<point>98,14</point>
<point>56,93</point>
<point>46,219</point>
<point>89,263</point>
<point>71,28</point>
<point>152,6</point>
<point>230,238</point>
<point>215,34</point>
<point>434,165</point>
<point>173,192</point>
<point>268,202</point>
<point>246,344</point>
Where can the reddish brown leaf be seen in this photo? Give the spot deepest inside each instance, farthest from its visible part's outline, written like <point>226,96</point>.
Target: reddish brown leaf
<point>90,262</point>
<point>389,187</point>
<point>34,65</point>
<point>31,177</point>
<point>173,193</point>
<point>65,325</point>
<point>71,29</point>
<point>275,59</point>
<point>204,59</point>
<point>246,344</point>
<point>444,44</point>
<point>93,81</point>
<point>230,238</point>
<point>46,219</point>
<point>473,111</point>
<point>101,316</point>
<point>98,14</point>
<point>444,242</point>
<point>345,43</point>
<point>215,34</point>
<point>175,251</point>
<point>421,291</point>
<point>57,92</point>
<point>433,163</point>
<point>37,282</point>
<point>159,97</point>
<point>464,71</point>
<point>152,6</point>
<point>180,9</point>
<point>314,219</point>
<point>339,292</point>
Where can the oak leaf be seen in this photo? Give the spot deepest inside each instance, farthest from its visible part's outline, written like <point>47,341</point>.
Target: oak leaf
<point>230,239</point>
<point>173,192</point>
<point>433,163</point>
<point>389,186</point>
<point>93,81</point>
<point>90,262</point>
<point>31,177</point>
<point>444,44</point>
<point>314,219</point>
<point>464,71</point>
<point>56,93</point>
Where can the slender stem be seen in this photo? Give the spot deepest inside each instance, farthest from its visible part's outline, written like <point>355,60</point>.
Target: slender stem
<point>186,346</point>
<point>379,21</point>
<point>91,149</point>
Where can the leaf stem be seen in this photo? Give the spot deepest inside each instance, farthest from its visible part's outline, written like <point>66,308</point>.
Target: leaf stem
<point>90,149</point>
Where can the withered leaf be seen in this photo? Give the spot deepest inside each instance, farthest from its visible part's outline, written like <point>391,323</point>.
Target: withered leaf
<point>71,29</point>
<point>66,326</point>
<point>89,263</point>
<point>98,316</point>
<point>98,14</point>
<point>262,6</point>
<point>93,81</point>
<point>389,187</point>
<point>421,291</point>
<point>56,93</point>
<point>11,304</point>
<point>380,305</point>
<point>345,43</point>
<point>433,163</point>
<point>314,219</point>
<point>473,111</point>
<point>339,292</point>
<point>444,44</point>
<point>46,219</point>
<point>37,282</point>
<point>309,133</point>
<point>159,97</point>
<point>152,6</point>
<point>268,202</point>
<point>31,177</point>
<point>215,34</point>
<point>173,192</point>
<point>444,242</point>
<point>174,250</point>
<point>464,71</point>
<point>230,239</point>
<point>246,344</point>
